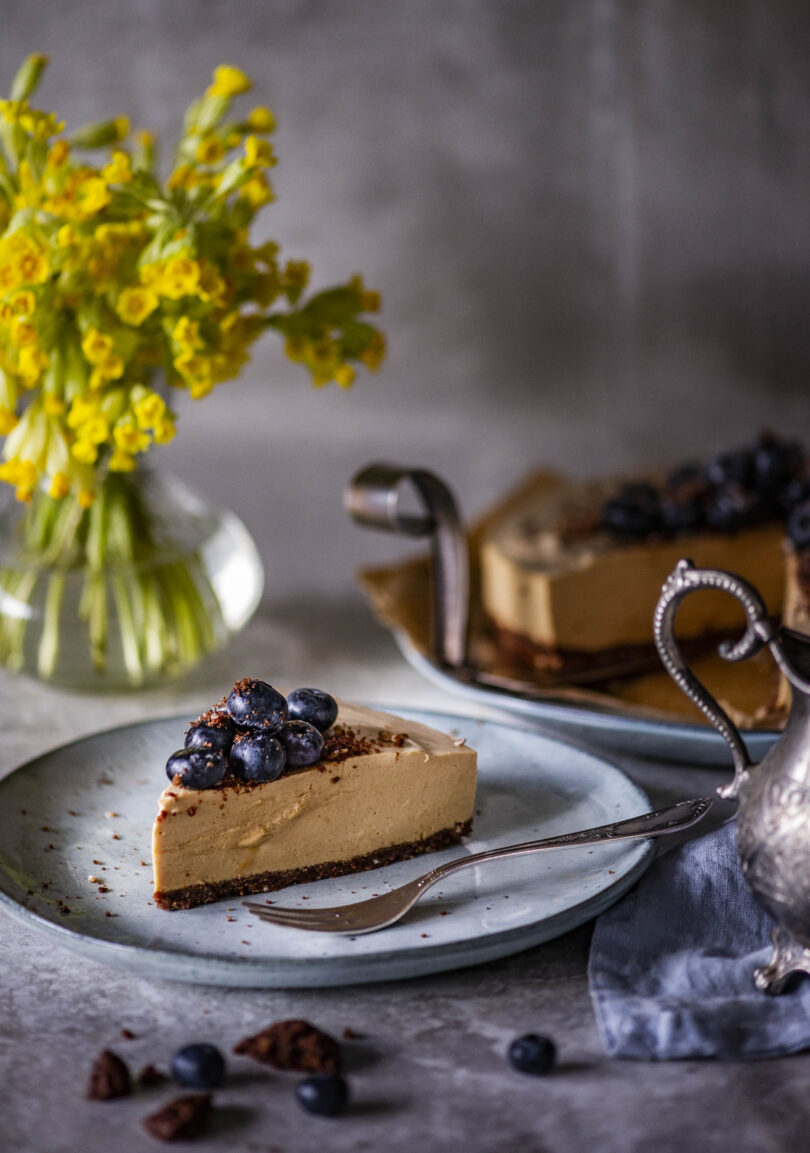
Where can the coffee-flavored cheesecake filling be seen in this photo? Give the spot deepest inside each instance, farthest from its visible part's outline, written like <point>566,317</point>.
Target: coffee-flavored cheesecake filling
<point>385,784</point>
<point>587,592</point>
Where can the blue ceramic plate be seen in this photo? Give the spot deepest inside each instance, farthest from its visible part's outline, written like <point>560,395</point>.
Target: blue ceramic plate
<point>678,741</point>
<point>85,811</point>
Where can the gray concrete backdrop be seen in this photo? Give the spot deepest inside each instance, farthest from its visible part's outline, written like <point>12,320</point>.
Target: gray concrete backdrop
<point>588,219</point>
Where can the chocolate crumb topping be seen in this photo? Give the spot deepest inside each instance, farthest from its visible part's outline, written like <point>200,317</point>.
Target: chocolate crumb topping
<point>109,1078</point>
<point>216,717</point>
<point>295,1045</point>
<point>182,1119</point>
<point>127,1035</point>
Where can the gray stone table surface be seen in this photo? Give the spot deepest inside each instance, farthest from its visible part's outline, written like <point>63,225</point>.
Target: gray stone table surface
<point>429,1067</point>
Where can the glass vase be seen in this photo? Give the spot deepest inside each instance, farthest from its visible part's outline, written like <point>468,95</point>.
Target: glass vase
<point>130,592</point>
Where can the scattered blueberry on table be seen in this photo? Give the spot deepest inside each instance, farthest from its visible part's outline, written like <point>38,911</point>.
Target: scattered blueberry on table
<point>532,1054</point>
<point>199,1066</point>
<point>326,1094</point>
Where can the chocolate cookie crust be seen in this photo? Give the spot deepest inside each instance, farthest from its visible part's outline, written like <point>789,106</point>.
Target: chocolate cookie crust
<point>203,894</point>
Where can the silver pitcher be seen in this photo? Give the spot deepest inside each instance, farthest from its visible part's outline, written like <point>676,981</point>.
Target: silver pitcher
<point>773,821</point>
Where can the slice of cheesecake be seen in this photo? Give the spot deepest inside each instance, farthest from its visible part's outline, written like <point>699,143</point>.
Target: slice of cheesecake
<point>383,790</point>
<point>570,582</point>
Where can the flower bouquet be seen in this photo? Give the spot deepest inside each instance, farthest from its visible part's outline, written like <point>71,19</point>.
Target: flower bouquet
<point>118,291</point>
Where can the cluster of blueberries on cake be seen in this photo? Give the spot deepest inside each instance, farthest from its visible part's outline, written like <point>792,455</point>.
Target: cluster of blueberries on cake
<point>766,481</point>
<point>254,734</point>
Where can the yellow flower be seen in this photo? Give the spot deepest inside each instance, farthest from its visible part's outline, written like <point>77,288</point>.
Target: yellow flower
<point>122,462</point>
<point>150,410</point>
<point>187,334</point>
<point>197,372</point>
<point>31,364</point>
<point>96,430</point>
<point>119,170</point>
<point>93,195</point>
<point>257,191</point>
<point>135,304</point>
<point>110,369</point>
<point>84,451</point>
<point>97,346</point>
<point>8,420</point>
<point>41,125</point>
<point>345,376</point>
<point>60,485</point>
<point>86,498</point>
<point>66,236</point>
<point>211,285</point>
<point>229,81</point>
<point>129,437</point>
<point>23,334</point>
<point>165,431</point>
<point>210,151</point>
<point>258,152</point>
<point>53,405</point>
<point>23,303</point>
<point>261,119</point>
<point>181,277</point>
<point>22,261</point>
<point>58,154</point>
<point>374,352</point>
<point>81,410</point>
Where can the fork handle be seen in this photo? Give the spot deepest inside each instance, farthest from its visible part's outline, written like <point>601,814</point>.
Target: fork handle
<point>668,820</point>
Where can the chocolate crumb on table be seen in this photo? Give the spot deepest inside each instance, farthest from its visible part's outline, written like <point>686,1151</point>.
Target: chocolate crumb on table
<point>127,1035</point>
<point>150,1075</point>
<point>182,1119</point>
<point>295,1045</point>
<point>109,1078</point>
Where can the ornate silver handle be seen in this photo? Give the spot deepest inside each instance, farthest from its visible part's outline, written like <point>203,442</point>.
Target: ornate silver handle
<point>759,631</point>
<point>375,498</point>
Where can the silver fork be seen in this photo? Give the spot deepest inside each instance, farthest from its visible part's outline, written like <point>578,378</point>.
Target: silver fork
<point>382,911</point>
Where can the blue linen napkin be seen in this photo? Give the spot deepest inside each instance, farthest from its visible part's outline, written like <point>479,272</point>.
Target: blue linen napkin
<point>671,965</point>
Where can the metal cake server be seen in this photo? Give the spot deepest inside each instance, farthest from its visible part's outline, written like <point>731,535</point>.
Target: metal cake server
<point>382,911</point>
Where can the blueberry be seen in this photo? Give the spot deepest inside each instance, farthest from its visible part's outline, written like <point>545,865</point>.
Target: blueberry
<point>302,743</point>
<point>795,491</point>
<point>218,737</point>
<point>326,1094</point>
<point>257,756</point>
<point>256,705</point>
<point>197,768</point>
<point>314,706</point>
<point>532,1054</point>
<point>798,525</point>
<point>685,474</point>
<point>731,508</point>
<point>776,462</point>
<point>198,1066</point>
<point>735,467</point>
<point>635,511</point>
<point>681,515</point>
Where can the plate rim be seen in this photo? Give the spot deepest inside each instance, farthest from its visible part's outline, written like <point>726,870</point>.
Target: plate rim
<point>691,737</point>
<point>440,957</point>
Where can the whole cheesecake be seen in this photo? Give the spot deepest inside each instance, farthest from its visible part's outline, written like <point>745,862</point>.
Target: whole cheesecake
<point>382,789</point>
<point>572,572</point>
